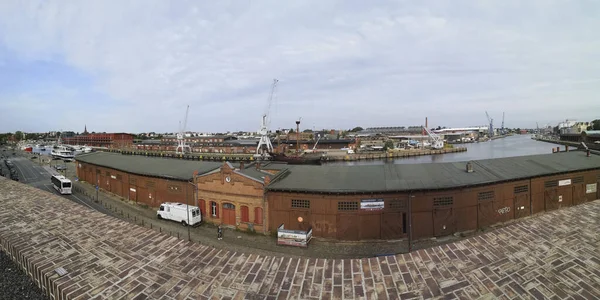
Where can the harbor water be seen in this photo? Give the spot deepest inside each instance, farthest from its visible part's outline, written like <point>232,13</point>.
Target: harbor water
<point>516,145</point>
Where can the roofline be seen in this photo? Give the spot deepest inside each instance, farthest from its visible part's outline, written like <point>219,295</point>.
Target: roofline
<point>305,191</point>
<point>147,175</point>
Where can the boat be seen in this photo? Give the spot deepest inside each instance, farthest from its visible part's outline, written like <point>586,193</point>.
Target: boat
<point>85,149</point>
<point>298,159</point>
<point>27,148</point>
<point>62,152</point>
<point>40,147</point>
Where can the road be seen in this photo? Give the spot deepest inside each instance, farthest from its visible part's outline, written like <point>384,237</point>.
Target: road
<point>38,176</point>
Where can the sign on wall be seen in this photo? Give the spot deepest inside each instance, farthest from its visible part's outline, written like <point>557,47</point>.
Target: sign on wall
<point>591,188</point>
<point>372,204</point>
<point>564,182</point>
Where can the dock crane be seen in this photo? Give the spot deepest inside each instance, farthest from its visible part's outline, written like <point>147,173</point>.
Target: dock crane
<point>436,140</point>
<point>491,125</point>
<point>502,131</point>
<point>264,144</point>
<point>182,147</point>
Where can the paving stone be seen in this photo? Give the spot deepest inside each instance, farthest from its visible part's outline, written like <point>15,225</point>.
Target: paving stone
<point>549,256</point>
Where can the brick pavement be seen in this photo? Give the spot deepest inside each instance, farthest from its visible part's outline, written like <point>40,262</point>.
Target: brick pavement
<point>552,256</point>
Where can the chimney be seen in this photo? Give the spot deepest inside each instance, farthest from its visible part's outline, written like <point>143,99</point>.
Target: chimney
<point>469,167</point>
<point>257,165</point>
<point>267,180</point>
<point>241,165</point>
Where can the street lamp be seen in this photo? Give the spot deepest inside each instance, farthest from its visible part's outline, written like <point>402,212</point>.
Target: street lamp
<point>187,200</point>
<point>410,235</point>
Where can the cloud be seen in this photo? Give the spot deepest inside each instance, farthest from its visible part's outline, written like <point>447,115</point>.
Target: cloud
<point>341,63</point>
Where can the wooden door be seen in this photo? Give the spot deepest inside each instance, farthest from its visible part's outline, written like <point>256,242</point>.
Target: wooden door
<point>132,193</point>
<point>579,195</point>
<point>486,214</point>
<point>444,222</point>
<point>551,199</point>
<point>229,214</point>
<point>522,205</point>
<point>393,225</point>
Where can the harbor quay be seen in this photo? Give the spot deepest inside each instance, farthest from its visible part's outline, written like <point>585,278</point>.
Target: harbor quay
<point>327,156</point>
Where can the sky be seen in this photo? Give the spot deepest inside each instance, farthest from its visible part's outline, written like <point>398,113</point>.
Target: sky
<point>134,66</point>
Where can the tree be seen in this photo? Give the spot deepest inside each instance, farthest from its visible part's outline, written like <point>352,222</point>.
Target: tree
<point>595,125</point>
<point>389,144</point>
<point>356,129</point>
<point>18,135</point>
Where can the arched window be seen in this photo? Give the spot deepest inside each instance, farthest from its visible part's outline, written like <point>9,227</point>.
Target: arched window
<point>245,214</point>
<point>258,215</point>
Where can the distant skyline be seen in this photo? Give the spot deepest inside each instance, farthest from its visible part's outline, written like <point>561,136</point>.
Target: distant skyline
<point>133,66</point>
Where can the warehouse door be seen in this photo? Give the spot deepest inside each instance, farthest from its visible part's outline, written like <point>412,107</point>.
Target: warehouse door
<point>347,227</point>
<point>579,195</point>
<point>132,193</point>
<point>551,199</point>
<point>229,214</point>
<point>444,222</point>
<point>393,225</point>
<point>486,214</point>
<point>522,205</point>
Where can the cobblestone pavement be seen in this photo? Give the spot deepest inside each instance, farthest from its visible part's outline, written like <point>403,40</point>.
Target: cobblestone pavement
<point>552,256</point>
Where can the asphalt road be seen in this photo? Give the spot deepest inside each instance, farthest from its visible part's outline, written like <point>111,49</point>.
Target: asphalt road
<point>38,176</point>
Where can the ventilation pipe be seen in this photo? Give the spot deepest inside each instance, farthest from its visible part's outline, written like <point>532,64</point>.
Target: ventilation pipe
<point>469,167</point>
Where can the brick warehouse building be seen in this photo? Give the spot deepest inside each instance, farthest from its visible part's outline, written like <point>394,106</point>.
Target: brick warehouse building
<point>108,140</point>
<point>372,202</point>
<point>357,202</point>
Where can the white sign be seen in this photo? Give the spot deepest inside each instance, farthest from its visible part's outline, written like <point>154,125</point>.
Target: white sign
<point>560,198</point>
<point>113,176</point>
<point>591,188</point>
<point>371,204</point>
<point>132,189</point>
<point>564,182</point>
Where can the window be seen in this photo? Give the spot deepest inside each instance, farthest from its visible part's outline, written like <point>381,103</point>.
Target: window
<point>258,215</point>
<point>107,173</point>
<point>245,213</point>
<point>132,180</point>
<point>578,179</point>
<point>119,177</point>
<point>551,183</point>
<point>396,203</point>
<point>521,189</point>
<point>347,205</point>
<point>162,208</point>
<point>443,201</point>
<point>149,183</point>
<point>214,209</point>
<point>300,203</point>
<point>228,206</point>
<point>484,196</point>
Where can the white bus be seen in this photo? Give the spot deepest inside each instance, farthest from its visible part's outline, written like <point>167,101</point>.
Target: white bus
<point>61,183</point>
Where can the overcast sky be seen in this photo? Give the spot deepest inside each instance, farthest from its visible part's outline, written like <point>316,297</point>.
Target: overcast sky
<point>133,66</point>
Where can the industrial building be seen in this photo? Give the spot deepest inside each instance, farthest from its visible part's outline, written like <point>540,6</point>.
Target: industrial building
<point>380,201</point>
<point>354,202</point>
<point>105,140</point>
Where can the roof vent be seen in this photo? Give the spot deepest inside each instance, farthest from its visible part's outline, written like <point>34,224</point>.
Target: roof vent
<point>469,167</point>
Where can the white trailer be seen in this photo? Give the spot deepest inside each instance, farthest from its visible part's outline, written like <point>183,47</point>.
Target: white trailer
<point>176,212</point>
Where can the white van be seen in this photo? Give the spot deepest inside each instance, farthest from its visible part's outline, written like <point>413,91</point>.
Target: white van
<point>176,212</point>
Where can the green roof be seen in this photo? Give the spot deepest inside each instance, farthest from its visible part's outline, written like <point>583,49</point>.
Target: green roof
<point>429,176</point>
<point>170,168</point>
